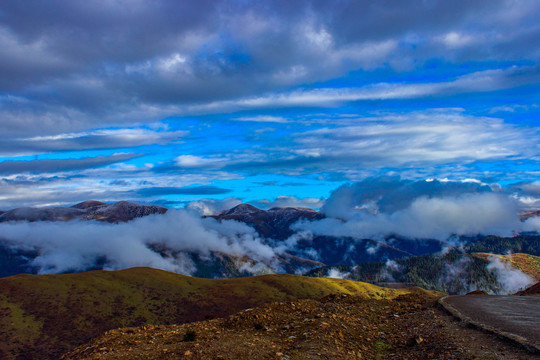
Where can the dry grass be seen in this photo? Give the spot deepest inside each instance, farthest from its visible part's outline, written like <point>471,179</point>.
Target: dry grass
<point>45,316</point>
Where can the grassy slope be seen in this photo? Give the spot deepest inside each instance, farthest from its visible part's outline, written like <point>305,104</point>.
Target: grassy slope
<point>43,316</point>
<point>529,264</point>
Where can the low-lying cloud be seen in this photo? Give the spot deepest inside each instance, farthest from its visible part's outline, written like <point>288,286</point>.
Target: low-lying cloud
<point>510,278</point>
<point>387,206</point>
<point>376,208</point>
<point>206,207</point>
<point>78,246</point>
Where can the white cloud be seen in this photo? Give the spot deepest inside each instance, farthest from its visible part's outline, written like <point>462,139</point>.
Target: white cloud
<point>172,63</point>
<point>481,81</point>
<point>418,138</point>
<point>206,207</point>
<point>198,162</point>
<point>425,218</point>
<point>334,273</point>
<point>511,279</point>
<point>457,40</point>
<point>263,118</point>
<point>380,207</point>
<point>292,201</point>
<point>77,246</point>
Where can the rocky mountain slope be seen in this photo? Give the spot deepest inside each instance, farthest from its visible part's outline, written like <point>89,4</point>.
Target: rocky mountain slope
<point>88,210</point>
<point>43,316</point>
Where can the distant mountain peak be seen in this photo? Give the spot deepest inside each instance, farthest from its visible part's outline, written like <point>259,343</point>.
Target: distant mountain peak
<point>242,209</point>
<point>89,204</point>
<point>274,223</point>
<point>124,211</point>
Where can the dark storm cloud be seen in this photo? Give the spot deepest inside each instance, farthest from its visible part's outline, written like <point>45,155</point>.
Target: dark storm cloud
<point>73,65</point>
<point>79,34</point>
<point>58,165</point>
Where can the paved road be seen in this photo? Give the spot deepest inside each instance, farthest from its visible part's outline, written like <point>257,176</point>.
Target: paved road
<point>515,317</point>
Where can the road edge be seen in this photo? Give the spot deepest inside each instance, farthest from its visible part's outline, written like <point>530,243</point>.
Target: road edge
<point>519,340</point>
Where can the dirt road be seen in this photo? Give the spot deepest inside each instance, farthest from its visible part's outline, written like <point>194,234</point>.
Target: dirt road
<point>513,317</point>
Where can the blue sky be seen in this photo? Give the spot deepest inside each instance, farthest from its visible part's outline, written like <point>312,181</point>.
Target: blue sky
<point>268,102</point>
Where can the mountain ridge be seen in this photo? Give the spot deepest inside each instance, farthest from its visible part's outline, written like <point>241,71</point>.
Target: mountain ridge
<point>121,211</point>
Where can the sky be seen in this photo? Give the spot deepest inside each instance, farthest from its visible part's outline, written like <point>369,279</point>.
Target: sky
<point>276,103</point>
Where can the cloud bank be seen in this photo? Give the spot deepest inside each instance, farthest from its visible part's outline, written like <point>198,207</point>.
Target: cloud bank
<point>78,246</point>
<point>376,208</point>
<point>386,206</point>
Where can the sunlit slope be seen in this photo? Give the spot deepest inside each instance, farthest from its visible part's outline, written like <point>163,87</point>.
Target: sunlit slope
<point>529,264</point>
<point>44,315</point>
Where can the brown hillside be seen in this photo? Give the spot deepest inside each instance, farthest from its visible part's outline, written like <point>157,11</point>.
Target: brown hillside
<point>533,290</point>
<point>43,316</point>
<point>335,327</point>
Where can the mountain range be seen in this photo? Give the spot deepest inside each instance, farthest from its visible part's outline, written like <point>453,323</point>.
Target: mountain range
<point>394,261</point>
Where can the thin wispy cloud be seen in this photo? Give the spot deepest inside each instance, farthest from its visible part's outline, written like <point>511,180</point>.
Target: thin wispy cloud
<point>89,140</point>
<point>60,165</point>
<point>418,140</point>
<point>262,118</point>
<point>482,81</point>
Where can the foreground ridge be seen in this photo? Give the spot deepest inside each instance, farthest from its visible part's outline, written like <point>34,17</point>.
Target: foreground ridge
<point>334,327</point>
<point>44,316</point>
